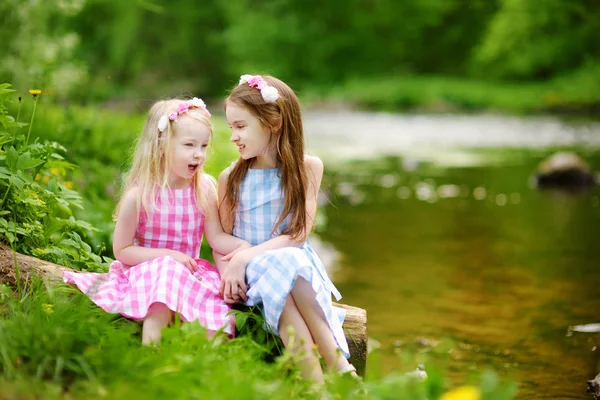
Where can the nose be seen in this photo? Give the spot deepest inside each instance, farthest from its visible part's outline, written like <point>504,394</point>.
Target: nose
<point>234,136</point>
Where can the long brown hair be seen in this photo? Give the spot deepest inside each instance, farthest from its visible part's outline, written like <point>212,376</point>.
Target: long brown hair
<point>284,119</point>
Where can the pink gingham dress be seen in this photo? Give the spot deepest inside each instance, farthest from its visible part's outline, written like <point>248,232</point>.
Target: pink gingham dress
<point>176,224</point>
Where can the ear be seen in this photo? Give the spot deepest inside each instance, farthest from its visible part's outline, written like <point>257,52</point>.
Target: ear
<point>276,127</point>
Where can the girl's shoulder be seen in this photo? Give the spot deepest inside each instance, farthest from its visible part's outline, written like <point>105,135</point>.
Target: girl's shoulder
<point>131,195</point>
<point>224,175</point>
<point>129,203</point>
<point>209,185</point>
<point>208,181</point>
<point>314,164</point>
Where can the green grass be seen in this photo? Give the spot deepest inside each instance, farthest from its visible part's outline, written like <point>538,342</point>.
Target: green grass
<point>578,93</point>
<point>55,344</point>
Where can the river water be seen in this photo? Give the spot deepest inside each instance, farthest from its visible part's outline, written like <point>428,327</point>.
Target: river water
<point>435,229</point>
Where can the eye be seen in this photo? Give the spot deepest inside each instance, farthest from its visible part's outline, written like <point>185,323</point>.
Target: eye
<point>189,145</point>
<point>204,146</point>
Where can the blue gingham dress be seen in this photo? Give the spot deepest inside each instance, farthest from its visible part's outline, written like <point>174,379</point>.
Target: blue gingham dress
<point>272,274</point>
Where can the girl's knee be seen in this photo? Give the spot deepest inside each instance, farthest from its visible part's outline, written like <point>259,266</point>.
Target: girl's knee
<point>159,310</point>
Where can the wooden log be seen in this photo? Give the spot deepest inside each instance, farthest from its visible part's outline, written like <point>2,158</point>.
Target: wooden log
<point>355,324</point>
<point>27,267</point>
<point>355,328</point>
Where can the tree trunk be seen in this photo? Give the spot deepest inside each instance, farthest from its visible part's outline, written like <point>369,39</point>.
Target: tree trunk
<point>355,324</point>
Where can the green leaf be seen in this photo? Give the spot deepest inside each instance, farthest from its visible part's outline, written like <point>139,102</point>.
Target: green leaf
<point>11,238</point>
<point>11,158</point>
<point>17,181</point>
<point>240,320</point>
<point>64,208</point>
<point>69,242</point>
<point>7,121</point>
<point>5,137</point>
<point>4,88</point>
<point>33,201</point>
<point>25,161</point>
<point>24,176</point>
<point>4,173</point>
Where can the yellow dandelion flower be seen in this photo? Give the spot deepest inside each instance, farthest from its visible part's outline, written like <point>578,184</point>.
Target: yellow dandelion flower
<point>463,393</point>
<point>45,179</point>
<point>68,184</point>
<point>55,171</point>
<point>34,92</point>
<point>48,308</point>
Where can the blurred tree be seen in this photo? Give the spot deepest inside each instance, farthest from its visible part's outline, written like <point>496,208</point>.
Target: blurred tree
<point>328,42</point>
<point>150,48</point>
<point>153,47</point>
<point>539,39</point>
<point>36,47</point>
<point>446,45</point>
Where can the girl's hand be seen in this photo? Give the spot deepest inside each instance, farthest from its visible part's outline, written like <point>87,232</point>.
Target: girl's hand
<point>189,262</point>
<point>233,280</point>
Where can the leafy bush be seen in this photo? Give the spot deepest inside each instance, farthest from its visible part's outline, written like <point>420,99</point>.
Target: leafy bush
<point>36,199</point>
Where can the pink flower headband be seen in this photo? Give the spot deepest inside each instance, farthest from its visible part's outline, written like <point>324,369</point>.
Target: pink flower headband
<point>269,93</point>
<point>182,108</point>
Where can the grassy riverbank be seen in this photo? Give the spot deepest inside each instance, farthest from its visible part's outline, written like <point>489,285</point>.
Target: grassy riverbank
<point>576,94</point>
<point>55,344</point>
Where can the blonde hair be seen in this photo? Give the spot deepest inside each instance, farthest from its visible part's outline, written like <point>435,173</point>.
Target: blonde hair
<point>151,160</point>
<point>283,117</point>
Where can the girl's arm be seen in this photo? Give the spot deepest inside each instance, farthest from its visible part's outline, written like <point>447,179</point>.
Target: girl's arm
<point>315,176</point>
<point>233,276</point>
<point>124,234</point>
<point>226,222</point>
<point>219,241</point>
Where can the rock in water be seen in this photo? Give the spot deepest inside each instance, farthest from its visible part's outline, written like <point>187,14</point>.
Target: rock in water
<point>594,387</point>
<point>564,169</point>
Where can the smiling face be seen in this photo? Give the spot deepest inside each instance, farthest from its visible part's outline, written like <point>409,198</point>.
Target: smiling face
<point>252,138</point>
<point>187,150</point>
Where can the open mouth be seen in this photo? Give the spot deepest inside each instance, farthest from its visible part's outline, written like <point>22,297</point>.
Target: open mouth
<point>193,167</point>
<point>241,147</point>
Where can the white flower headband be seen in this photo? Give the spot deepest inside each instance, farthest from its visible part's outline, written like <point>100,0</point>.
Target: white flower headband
<point>182,108</point>
<point>269,93</point>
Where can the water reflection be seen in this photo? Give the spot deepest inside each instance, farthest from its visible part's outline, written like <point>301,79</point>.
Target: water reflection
<point>469,267</point>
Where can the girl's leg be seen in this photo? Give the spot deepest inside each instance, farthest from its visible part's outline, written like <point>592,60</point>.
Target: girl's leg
<point>306,301</point>
<point>157,319</point>
<point>309,365</point>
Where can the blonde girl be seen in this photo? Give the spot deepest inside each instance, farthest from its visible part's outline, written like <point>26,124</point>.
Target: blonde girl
<point>167,204</point>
